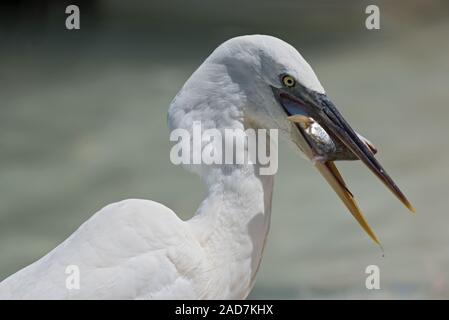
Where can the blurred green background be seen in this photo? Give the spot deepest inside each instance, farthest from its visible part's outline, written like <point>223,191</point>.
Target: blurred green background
<point>83,124</point>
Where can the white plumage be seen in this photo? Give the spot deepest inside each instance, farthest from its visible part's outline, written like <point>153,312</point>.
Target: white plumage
<point>140,249</point>
<point>130,249</point>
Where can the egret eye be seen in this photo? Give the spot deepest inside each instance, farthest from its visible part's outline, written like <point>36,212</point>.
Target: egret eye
<point>288,81</point>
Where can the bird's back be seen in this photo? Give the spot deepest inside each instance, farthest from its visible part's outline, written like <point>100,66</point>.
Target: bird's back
<point>133,249</point>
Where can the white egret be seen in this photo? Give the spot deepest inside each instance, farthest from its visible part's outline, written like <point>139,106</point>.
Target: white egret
<point>140,249</point>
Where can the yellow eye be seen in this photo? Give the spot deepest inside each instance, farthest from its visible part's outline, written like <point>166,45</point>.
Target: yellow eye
<point>288,81</point>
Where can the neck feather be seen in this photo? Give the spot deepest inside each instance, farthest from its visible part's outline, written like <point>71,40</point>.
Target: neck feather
<point>233,220</point>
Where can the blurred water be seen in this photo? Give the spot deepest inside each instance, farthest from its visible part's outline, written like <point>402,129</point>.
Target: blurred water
<point>79,131</point>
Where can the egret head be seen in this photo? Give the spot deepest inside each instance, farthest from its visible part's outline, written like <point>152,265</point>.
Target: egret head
<point>257,65</point>
<point>267,82</point>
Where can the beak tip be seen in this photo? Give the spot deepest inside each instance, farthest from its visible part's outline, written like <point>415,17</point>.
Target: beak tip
<point>376,241</point>
<point>381,248</point>
<point>411,208</point>
<point>407,203</point>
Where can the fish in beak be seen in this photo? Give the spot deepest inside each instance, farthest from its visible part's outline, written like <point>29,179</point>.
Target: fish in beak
<point>325,137</point>
<point>323,145</point>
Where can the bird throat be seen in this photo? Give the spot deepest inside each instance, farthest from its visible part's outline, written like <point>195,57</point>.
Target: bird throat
<point>236,212</point>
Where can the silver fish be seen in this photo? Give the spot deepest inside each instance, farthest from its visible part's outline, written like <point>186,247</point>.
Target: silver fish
<point>328,148</point>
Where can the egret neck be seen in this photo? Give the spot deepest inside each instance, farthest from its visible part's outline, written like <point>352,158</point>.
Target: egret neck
<point>232,223</point>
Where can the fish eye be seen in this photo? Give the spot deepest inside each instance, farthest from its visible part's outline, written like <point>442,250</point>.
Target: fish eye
<point>288,81</point>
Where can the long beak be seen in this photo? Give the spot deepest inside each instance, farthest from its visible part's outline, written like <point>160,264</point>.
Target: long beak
<point>330,118</point>
<point>306,103</point>
<point>330,172</point>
